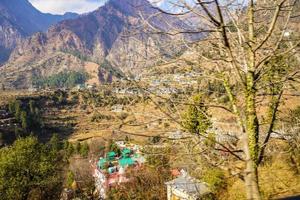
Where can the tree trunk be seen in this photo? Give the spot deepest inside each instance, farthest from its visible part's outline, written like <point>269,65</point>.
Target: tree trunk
<point>251,181</point>
<point>251,146</point>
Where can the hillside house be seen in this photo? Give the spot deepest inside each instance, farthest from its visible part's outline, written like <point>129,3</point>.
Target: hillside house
<point>176,135</point>
<point>119,91</point>
<point>4,114</point>
<point>117,108</point>
<point>186,188</point>
<point>79,87</point>
<point>90,87</point>
<point>121,144</point>
<point>110,171</point>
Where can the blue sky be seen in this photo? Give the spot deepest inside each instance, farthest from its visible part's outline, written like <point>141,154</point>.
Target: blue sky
<point>63,6</point>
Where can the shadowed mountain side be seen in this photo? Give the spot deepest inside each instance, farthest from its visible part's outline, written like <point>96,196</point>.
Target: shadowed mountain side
<point>19,19</point>
<point>115,33</point>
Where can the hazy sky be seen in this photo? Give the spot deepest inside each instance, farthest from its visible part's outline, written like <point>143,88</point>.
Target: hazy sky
<point>83,6</point>
<point>63,6</point>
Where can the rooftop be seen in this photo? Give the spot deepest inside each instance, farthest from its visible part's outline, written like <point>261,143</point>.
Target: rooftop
<point>126,162</point>
<point>189,185</point>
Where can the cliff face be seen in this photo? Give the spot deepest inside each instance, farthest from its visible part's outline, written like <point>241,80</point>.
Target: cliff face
<point>9,36</point>
<point>18,20</point>
<point>115,33</point>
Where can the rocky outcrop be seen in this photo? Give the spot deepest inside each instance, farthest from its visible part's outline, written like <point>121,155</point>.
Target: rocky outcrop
<point>18,20</point>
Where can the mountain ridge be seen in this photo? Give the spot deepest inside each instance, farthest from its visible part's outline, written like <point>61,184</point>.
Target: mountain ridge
<point>98,37</point>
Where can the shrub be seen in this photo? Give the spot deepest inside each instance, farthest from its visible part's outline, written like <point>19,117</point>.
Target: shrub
<point>123,116</point>
<point>146,183</point>
<point>215,178</point>
<point>70,178</point>
<point>98,117</point>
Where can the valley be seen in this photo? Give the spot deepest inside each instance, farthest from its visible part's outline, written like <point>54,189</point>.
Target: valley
<point>131,113</point>
<point>139,99</point>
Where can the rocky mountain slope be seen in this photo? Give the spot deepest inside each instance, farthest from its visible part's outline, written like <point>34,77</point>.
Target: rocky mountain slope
<point>19,19</point>
<point>114,34</point>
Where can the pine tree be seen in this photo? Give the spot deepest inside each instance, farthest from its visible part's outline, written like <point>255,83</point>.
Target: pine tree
<point>1,139</point>
<point>17,109</point>
<point>11,107</point>
<point>70,150</point>
<point>77,147</point>
<point>196,119</point>
<point>84,150</point>
<point>24,120</point>
<point>32,107</point>
<point>2,87</point>
<point>54,143</point>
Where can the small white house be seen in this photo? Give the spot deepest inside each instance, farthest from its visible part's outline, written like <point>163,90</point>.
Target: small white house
<point>79,87</point>
<point>176,135</point>
<point>117,108</point>
<point>120,144</point>
<point>186,188</point>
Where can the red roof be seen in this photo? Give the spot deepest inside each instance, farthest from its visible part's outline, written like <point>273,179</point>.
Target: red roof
<point>175,172</point>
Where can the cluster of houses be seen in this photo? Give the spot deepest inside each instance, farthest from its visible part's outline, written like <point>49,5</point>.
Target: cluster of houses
<point>6,120</point>
<point>85,86</point>
<point>161,85</point>
<point>163,90</point>
<point>128,91</point>
<point>188,78</point>
<point>8,124</point>
<point>110,170</point>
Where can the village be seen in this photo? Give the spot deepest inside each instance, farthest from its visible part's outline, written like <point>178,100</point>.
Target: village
<point>114,168</point>
<point>110,171</point>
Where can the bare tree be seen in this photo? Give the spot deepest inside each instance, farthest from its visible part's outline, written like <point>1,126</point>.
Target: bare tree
<point>251,47</point>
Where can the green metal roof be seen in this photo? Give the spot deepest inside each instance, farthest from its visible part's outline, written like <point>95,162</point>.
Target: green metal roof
<point>101,163</point>
<point>126,152</point>
<point>111,155</point>
<point>126,162</point>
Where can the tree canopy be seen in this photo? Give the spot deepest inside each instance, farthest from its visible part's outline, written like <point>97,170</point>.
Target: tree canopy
<point>62,79</point>
<point>28,167</point>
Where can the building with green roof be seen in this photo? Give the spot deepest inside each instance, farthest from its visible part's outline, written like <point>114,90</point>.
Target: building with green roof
<point>126,153</point>
<point>101,163</point>
<point>123,162</point>
<point>111,155</point>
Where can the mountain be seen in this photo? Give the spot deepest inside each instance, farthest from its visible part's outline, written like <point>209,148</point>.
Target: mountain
<point>115,37</point>
<point>19,19</point>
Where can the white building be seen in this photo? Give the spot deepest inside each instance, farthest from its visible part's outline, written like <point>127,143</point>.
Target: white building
<point>186,188</point>
<point>100,183</point>
<point>117,108</point>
